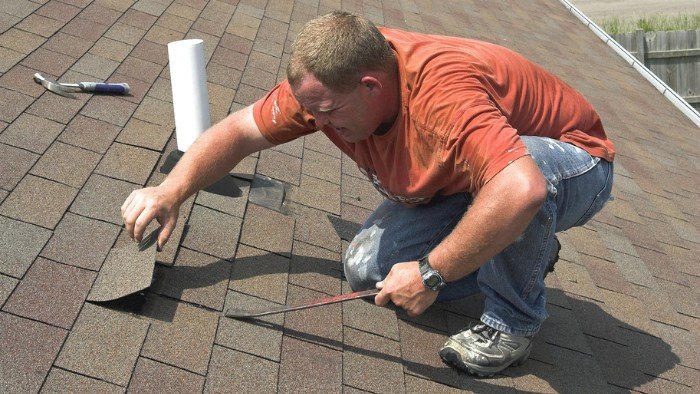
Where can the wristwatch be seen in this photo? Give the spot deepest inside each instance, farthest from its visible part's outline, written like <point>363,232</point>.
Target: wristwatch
<point>431,277</point>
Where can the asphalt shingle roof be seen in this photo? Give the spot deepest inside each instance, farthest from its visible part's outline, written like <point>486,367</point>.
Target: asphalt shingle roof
<point>623,299</point>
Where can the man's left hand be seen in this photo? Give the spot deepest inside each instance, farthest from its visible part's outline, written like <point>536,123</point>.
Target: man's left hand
<point>404,287</point>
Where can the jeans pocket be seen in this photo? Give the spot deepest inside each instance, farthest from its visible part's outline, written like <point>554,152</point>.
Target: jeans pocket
<point>600,199</point>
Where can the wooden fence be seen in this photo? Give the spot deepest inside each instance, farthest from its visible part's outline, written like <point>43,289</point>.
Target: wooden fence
<point>674,56</point>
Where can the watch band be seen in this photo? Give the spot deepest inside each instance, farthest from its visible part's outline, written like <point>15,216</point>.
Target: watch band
<point>430,276</point>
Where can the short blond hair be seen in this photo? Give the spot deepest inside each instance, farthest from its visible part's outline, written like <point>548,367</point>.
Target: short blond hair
<point>337,48</point>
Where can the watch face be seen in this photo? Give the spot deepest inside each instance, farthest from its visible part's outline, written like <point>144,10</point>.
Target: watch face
<point>432,280</point>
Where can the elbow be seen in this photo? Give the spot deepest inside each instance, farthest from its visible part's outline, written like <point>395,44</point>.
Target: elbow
<point>534,192</point>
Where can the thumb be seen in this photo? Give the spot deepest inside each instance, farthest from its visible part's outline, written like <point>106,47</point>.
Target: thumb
<point>167,230</point>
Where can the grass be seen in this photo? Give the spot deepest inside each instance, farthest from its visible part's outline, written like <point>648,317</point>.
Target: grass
<point>616,25</point>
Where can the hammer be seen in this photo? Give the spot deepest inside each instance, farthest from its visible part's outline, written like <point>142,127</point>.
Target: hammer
<point>65,89</point>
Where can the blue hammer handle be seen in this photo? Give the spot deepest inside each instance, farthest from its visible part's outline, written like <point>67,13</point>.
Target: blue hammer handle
<point>121,88</point>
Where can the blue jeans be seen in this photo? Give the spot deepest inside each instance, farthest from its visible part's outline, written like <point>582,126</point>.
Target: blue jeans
<point>578,186</point>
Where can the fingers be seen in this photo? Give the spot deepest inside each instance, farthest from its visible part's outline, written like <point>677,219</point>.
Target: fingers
<point>167,230</point>
<point>382,298</point>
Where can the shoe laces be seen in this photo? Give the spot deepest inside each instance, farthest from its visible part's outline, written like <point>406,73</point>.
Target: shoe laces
<point>487,333</point>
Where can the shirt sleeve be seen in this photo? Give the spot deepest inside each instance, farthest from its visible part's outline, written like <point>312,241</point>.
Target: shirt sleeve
<point>280,117</point>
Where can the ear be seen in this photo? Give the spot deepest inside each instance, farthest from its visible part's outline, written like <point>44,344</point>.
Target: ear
<point>372,84</point>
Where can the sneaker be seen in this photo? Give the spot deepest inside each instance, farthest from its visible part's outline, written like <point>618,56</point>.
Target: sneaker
<point>484,351</point>
<point>553,257</point>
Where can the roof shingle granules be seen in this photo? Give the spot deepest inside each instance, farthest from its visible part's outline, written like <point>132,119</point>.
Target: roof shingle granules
<point>623,298</point>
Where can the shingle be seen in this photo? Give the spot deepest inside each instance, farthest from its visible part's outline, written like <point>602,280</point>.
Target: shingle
<point>360,192</point>
<point>236,43</point>
<point>9,58</point>
<point>317,193</point>
<point>364,315</point>
<point>67,44</point>
<point>62,381</point>
<point>12,104</point>
<point>196,278</point>
<point>183,11</point>
<point>420,385</point>
<point>152,52</point>
<point>85,29</point>
<point>110,109</point>
<point>57,108</point>
<point>101,198</point>
<point>279,166</point>
<point>174,22</point>
<point>350,168</point>
<point>98,14</point>
<point>261,274</point>
<point>31,132</point>
<point>17,79</point>
<point>268,230</point>
<point>212,232</point>
<point>250,336</point>
<point>233,371</point>
<point>59,11</point>
<point>419,347</point>
<point>103,344</point>
<point>228,195</point>
<point>307,367</point>
<point>152,377</point>
<point>315,268</point>
<point>66,164</point>
<point>317,228</point>
<point>21,41</point>
<point>162,90</point>
<point>320,143</point>
<point>81,242</point>
<point>140,69</point>
<point>321,166</point>
<point>156,111</point>
<point>209,27</point>
<point>7,284</point>
<point>245,168</point>
<point>128,163</point>
<point>180,335</point>
<point>139,19</point>
<point>14,164</point>
<point>29,348</point>
<point>51,292</point>
<point>89,133</point>
<point>125,33</point>
<point>229,58</point>
<point>95,66</point>
<point>322,325</point>
<point>372,363</point>
<point>38,201</point>
<point>49,62</point>
<point>220,99</point>
<point>20,243</point>
<point>150,7</point>
<point>147,135</point>
<point>40,25</point>
<point>247,95</point>
<point>163,36</point>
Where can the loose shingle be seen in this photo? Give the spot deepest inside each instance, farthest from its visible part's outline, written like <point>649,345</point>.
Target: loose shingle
<point>66,164</point>
<point>364,315</point>
<point>29,348</point>
<point>51,292</point>
<point>38,201</point>
<point>102,197</point>
<point>317,228</point>
<point>372,363</point>
<point>103,344</point>
<point>315,268</point>
<point>321,325</point>
<point>232,371</point>
<point>153,377</point>
<point>180,335</point>
<point>319,194</point>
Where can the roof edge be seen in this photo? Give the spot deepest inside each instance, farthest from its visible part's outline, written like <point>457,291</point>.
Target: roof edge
<point>660,85</point>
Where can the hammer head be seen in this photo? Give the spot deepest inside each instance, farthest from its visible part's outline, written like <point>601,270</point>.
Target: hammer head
<point>51,85</point>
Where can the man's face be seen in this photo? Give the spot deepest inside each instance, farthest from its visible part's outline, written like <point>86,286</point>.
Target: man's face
<point>354,116</point>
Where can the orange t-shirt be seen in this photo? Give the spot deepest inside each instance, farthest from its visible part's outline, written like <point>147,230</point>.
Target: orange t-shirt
<point>464,104</point>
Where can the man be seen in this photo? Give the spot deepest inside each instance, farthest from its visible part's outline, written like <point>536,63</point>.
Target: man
<point>482,156</point>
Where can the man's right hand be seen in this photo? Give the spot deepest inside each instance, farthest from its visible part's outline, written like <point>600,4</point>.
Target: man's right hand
<point>144,205</point>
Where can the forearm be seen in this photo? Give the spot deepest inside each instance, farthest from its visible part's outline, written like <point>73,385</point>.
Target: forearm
<point>499,214</point>
<point>215,153</point>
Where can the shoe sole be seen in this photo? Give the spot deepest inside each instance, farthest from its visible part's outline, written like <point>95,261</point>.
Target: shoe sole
<point>453,359</point>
